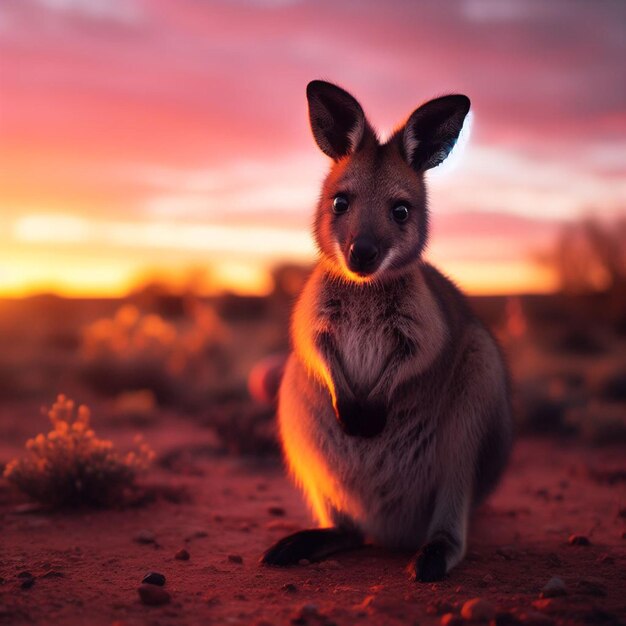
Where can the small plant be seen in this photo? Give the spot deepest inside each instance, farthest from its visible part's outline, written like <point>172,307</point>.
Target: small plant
<point>71,466</point>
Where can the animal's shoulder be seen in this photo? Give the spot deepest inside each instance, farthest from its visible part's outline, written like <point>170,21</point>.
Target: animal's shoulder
<point>453,304</point>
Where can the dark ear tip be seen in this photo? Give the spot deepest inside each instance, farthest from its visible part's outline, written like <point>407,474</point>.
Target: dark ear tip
<point>464,102</point>
<point>316,86</point>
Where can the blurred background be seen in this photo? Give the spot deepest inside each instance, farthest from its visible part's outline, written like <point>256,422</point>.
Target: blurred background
<point>158,180</point>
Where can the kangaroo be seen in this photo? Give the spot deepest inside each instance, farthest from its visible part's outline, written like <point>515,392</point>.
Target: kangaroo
<point>394,411</point>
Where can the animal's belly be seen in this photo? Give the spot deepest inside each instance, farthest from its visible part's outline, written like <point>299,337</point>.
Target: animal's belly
<point>388,499</point>
<point>384,486</point>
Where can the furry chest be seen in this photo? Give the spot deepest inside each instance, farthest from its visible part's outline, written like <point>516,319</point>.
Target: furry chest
<point>364,346</point>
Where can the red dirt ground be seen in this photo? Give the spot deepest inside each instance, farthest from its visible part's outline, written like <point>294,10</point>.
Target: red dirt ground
<point>87,566</point>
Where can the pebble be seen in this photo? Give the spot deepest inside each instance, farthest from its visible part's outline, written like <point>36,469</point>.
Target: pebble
<point>145,537</point>
<point>235,558</point>
<point>451,619</point>
<point>54,574</point>
<point>153,595</point>
<point>27,583</point>
<point>154,578</point>
<point>478,610</point>
<point>579,540</point>
<point>553,588</point>
<point>276,511</point>
<point>289,588</point>
<point>182,555</point>
<point>304,562</point>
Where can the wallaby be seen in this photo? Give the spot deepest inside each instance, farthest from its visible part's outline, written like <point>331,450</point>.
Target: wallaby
<point>394,409</point>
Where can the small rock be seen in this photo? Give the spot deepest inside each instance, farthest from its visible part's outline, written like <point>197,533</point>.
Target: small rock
<point>478,610</point>
<point>153,578</point>
<point>144,537</point>
<point>304,562</point>
<point>451,619</point>
<point>622,513</point>
<point>289,588</point>
<point>153,595</point>
<point>235,558</point>
<point>488,578</point>
<point>25,575</point>
<point>182,555</point>
<point>579,540</point>
<point>276,511</point>
<point>606,559</point>
<point>27,583</point>
<point>553,588</point>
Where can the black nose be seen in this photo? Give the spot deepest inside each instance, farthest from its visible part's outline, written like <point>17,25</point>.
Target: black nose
<point>363,251</point>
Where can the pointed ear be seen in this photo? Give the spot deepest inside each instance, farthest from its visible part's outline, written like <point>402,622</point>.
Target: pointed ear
<point>337,119</point>
<point>432,130</point>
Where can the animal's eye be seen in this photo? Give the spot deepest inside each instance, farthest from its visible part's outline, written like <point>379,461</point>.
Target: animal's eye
<point>400,213</point>
<point>340,204</point>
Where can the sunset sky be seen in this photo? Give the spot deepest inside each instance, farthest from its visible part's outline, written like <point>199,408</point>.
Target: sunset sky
<point>146,137</point>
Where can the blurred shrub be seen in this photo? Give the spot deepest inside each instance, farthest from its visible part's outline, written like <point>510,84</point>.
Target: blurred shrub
<point>71,466</point>
<point>184,362</point>
<point>599,422</point>
<point>590,257</point>
<point>245,429</point>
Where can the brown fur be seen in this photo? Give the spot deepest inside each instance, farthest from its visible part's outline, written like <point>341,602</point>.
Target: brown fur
<point>394,412</point>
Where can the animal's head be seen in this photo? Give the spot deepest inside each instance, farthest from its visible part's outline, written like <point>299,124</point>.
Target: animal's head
<point>372,218</point>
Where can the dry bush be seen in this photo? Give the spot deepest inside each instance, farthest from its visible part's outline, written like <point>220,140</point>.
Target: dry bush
<point>71,466</point>
<point>590,257</point>
<point>182,362</point>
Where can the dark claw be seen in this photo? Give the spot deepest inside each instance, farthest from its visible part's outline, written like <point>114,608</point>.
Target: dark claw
<point>430,563</point>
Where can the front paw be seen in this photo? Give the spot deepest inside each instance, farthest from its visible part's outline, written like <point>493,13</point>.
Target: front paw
<point>430,563</point>
<point>361,419</point>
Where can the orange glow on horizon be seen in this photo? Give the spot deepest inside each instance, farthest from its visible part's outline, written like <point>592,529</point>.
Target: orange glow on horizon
<point>131,144</point>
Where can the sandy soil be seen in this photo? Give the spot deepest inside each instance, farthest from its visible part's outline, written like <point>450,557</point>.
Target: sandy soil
<point>86,566</point>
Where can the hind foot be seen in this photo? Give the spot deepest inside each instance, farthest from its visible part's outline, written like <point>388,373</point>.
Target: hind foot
<point>430,563</point>
<point>312,545</point>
